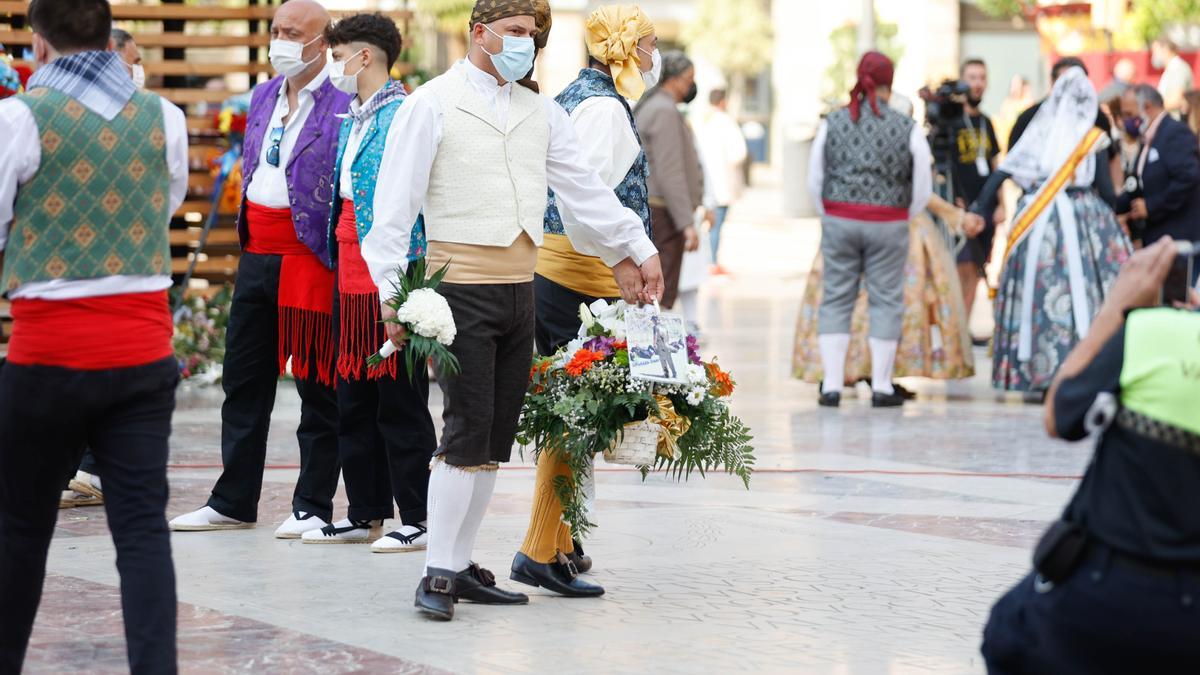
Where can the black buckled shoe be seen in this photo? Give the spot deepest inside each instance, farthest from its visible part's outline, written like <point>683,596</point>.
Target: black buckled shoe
<point>435,594</point>
<point>560,576</point>
<point>893,400</point>
<point>582,561</point>
<point>476,584</point>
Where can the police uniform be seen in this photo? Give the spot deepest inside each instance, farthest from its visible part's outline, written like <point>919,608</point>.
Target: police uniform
<point>1116,584</point>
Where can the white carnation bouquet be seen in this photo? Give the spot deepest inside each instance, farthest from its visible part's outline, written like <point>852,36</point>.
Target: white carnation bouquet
<point>427,320</point>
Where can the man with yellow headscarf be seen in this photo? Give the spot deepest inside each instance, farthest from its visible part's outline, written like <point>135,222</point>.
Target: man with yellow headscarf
<point>623,63</point>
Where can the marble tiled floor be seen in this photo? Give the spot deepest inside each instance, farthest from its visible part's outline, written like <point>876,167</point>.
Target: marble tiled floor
<point>869,542</point>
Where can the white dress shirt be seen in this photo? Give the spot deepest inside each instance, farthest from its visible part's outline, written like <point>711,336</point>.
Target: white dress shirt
<point>922,157</point>
<point>268,186</point>
<point>20,157</point>
<point>607,141</point>
<point>594,220</point>
<point>353,143</point>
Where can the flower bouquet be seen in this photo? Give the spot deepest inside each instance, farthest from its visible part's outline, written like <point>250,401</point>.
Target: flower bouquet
<point>427,320</point>
<point>199,338</point>
<point>585,400</point>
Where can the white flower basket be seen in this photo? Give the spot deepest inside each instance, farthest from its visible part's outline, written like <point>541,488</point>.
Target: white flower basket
<point>638,445</point>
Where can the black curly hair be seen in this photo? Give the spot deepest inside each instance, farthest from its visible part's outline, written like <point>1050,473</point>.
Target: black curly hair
<point>373,29</point>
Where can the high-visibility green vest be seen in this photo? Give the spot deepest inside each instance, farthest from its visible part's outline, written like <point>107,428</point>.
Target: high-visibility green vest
<point>1160,377</point>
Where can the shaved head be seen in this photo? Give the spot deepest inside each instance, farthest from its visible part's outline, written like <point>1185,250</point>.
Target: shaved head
<point>304,22</point>
<point>302,18</point>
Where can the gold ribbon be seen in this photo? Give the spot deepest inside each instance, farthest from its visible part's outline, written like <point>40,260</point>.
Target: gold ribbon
<point>673,427</point>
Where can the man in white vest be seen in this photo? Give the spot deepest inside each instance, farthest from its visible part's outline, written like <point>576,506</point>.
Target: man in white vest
<point>476,153</point>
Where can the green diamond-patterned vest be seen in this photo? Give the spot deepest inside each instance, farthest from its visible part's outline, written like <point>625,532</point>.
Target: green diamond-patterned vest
<point>99,203</point>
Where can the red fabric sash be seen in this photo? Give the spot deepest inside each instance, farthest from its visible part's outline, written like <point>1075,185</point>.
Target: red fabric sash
<point>305,294</point>
<point>867,212</point>
<point>360,332</point>
<point>99,333</point>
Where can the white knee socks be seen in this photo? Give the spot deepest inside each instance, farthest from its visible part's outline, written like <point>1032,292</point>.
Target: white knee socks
<point>833,360</point>
<point>883,362</point>
<point>458,499</point>
<point>464,544</point>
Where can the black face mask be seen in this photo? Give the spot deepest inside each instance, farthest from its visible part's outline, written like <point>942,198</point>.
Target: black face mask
<point>691,94</point>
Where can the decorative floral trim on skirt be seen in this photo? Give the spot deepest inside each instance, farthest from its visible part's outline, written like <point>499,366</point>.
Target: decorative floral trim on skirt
<point>1103,248</point>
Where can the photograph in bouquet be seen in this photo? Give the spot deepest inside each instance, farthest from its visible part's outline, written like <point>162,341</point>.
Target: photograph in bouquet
<point>658,347</point>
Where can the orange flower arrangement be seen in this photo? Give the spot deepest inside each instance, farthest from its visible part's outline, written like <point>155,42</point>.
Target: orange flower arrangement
<point>723,384</point>
<point>583,361</point>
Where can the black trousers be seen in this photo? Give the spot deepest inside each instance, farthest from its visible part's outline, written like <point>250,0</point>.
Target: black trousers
<point>250,377</point>
<point>494,347</point>
<point>47,416</point>
<point>1108,617</point>
<point>557,314</point>
<point>385,441</point>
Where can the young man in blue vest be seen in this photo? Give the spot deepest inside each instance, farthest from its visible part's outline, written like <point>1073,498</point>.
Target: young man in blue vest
<point>385,432</point>
<point>1116,581</point>
<point>91,170</point>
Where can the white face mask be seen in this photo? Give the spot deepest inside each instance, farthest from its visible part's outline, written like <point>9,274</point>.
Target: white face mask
<point>340,80</point>
<point>287,57</point>
<point>138,73</point>
<point>652,76</point>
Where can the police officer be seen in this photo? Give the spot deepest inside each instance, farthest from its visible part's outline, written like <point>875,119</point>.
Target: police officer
<point>1116,584</point>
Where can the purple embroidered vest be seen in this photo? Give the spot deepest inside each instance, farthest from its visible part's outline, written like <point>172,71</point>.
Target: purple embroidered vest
<point>311,182</point>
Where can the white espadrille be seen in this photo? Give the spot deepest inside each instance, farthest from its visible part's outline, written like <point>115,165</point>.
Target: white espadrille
<point>206,519</point>
<point>345,532</point>
<point>404,540</point>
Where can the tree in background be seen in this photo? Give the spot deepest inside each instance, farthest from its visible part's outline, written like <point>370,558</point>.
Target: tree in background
<point>1145,21</point>
<point>840,76</point>
<point>452,16</point>
<point>736,37</point>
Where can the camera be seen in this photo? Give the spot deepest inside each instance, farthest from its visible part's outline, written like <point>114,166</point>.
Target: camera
<point>946,103</point>
<point>1178,286</point>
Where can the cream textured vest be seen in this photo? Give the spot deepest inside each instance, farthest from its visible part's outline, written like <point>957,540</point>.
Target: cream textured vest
<point>487,184</point>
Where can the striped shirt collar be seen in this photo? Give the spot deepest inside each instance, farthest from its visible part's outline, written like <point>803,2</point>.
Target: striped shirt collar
<point>98,80</point>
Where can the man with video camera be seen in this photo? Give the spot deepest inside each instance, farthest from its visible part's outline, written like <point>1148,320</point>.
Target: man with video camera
<point>1116,584</point>
<point>975,154</point>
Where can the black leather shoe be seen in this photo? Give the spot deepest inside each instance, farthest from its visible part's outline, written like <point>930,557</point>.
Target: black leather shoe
<point>435,594</point>
<point>476,584</point>
<point>560,576</point>
<point>832,399</point>
<point>894,400</point>
<point>582,561</point>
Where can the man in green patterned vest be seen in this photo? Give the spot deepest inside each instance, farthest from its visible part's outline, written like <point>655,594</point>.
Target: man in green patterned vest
<point>1116,584</point>
<point>91,170</point>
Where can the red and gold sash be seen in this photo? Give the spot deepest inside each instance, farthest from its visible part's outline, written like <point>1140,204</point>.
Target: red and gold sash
<point>1045,196</point>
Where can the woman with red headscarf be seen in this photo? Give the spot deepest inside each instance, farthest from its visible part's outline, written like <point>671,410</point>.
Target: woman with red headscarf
<point>869,174</point>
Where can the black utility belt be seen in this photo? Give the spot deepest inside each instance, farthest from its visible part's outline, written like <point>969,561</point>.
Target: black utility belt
<point>1162,432</point>
<point>1064,545</point>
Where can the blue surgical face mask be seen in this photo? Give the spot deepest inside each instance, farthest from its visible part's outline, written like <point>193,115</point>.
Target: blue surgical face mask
<point>515,60</point>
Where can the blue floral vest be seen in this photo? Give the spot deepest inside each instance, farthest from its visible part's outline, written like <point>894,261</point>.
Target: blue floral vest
<point>632,191</point>
<point>363,173</point>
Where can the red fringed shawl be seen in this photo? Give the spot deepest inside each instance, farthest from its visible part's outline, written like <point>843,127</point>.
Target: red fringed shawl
<point>360,331</point>
<point>305,295</point>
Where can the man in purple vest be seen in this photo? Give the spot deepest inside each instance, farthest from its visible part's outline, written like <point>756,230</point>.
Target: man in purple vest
<point>283,303</point>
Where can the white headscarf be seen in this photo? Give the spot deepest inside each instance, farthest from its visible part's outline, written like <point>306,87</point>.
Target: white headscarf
<point>1056,130</point>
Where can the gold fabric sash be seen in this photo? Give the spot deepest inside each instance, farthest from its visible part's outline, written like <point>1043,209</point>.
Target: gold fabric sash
<point>1024,221</point>
<point>559,262</point>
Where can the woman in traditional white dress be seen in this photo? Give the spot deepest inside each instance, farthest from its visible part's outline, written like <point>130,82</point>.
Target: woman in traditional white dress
<point>1065,246</point>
